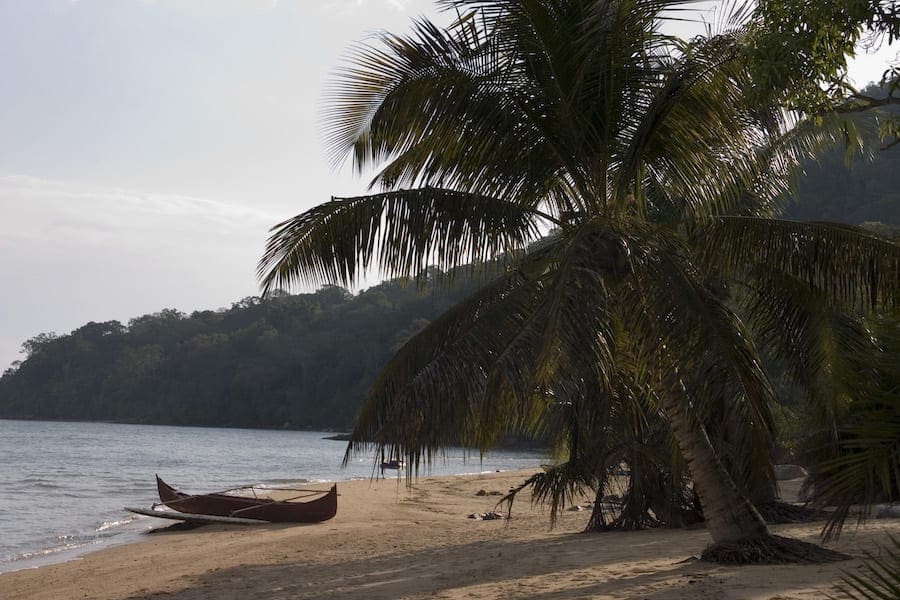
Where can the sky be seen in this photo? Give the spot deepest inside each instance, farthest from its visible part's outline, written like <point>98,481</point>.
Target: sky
<point>147,146</point>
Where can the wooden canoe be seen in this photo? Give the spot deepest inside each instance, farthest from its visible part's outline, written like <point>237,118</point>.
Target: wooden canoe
<point>298,509</point>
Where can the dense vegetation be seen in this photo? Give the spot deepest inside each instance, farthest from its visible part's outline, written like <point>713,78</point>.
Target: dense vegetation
<point>864,192</point>
<point>299,361</point>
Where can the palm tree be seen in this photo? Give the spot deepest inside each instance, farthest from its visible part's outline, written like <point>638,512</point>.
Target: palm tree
<point>861,466</point>
<point>647,167</point>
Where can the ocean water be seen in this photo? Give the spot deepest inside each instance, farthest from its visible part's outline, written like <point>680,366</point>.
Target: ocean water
<point>63,486</point>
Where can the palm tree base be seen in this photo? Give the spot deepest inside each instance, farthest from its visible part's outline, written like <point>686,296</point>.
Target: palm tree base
<point>776,511</point>
<point>769,550</point>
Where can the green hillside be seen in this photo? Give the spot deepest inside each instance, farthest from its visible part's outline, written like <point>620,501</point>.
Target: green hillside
<point>294,361</point>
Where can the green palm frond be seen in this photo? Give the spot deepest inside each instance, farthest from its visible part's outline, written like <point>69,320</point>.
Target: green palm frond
<point>867,470</point>
<point>849,266</point>
<point>375,103</point>
<point>827,352</point>
<point>880,579</point>
<point>476,138</point>
<point>424,398</point>
<point>401,232</point>
<point>864,467</point>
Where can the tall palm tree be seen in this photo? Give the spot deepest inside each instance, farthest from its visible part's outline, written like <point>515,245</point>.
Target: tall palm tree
<point>647,167</point>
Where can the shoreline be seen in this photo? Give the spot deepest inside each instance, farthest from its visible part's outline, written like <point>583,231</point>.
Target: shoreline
<point>393,541</point>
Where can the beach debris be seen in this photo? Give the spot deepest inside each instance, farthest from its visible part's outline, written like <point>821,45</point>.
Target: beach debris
<point>487,516</point>
<point>487,493</point>
<point>575,508</point>
<point>481,493</point>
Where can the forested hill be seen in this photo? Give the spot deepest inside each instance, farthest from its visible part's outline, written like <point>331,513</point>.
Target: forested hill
<point>297,361</point>
<point>869,192</point>
<point>866,192</point>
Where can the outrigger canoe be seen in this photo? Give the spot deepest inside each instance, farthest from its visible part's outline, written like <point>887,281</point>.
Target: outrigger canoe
<point>305,507</point>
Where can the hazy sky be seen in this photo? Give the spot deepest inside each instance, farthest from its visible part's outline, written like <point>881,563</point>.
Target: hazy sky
<point>146,146</point>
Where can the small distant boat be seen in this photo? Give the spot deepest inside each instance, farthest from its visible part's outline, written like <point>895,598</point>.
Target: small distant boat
<point>308,506</point>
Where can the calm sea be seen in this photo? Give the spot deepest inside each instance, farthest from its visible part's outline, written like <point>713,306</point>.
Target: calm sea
<point>63,485</point>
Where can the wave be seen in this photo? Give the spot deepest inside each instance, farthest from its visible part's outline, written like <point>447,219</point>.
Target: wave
<point>107,525</point>
<point>67,544</point>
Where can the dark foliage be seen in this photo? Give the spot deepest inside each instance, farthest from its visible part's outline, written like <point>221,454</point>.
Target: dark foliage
<point>294,361</point>
<point>864,193</point>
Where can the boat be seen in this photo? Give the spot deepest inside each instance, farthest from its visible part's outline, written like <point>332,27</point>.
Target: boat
<point>392,462</point>
<point>307,506</point>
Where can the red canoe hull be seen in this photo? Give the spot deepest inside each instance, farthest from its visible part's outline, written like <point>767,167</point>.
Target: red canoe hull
<point>224,505</point>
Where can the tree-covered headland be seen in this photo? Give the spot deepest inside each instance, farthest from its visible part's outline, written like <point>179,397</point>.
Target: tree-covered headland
<point>296,361</point>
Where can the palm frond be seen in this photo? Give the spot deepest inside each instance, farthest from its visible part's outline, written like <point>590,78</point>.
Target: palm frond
<point>849,266</point>
<point>865,465</point>
<point>711,360</point>
<point>477,137</point>
<point>401,232</point>
<point>421,402</point>
<point>827,352</point>
<point>880,579</point>
<point>867,470</point>
<point>425,398</point>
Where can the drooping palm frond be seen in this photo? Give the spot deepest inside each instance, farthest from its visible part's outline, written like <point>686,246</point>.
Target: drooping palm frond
<point>849,266</point>
<point>492,366</point>
<point>866,471</point>
<point>827,352</point>
<point>422,401</point>
<point>580,428</point>
<point>709,357</point>
<point>880,579</point>
<point>401,232</point>
<point>864,467</point>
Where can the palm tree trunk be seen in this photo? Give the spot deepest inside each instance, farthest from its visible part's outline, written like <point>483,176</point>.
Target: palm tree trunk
<point>730,517</point>
<point>739,533</point>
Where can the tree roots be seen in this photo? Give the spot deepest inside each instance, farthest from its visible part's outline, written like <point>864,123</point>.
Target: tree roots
<point>770,550</point>
<point>776,511</point>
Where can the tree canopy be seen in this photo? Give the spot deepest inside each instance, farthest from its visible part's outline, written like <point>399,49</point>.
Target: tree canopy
<point>298,361</point>
<point>801,50</point>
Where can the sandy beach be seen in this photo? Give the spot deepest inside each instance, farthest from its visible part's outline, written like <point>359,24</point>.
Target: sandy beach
<point>389,541</point>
